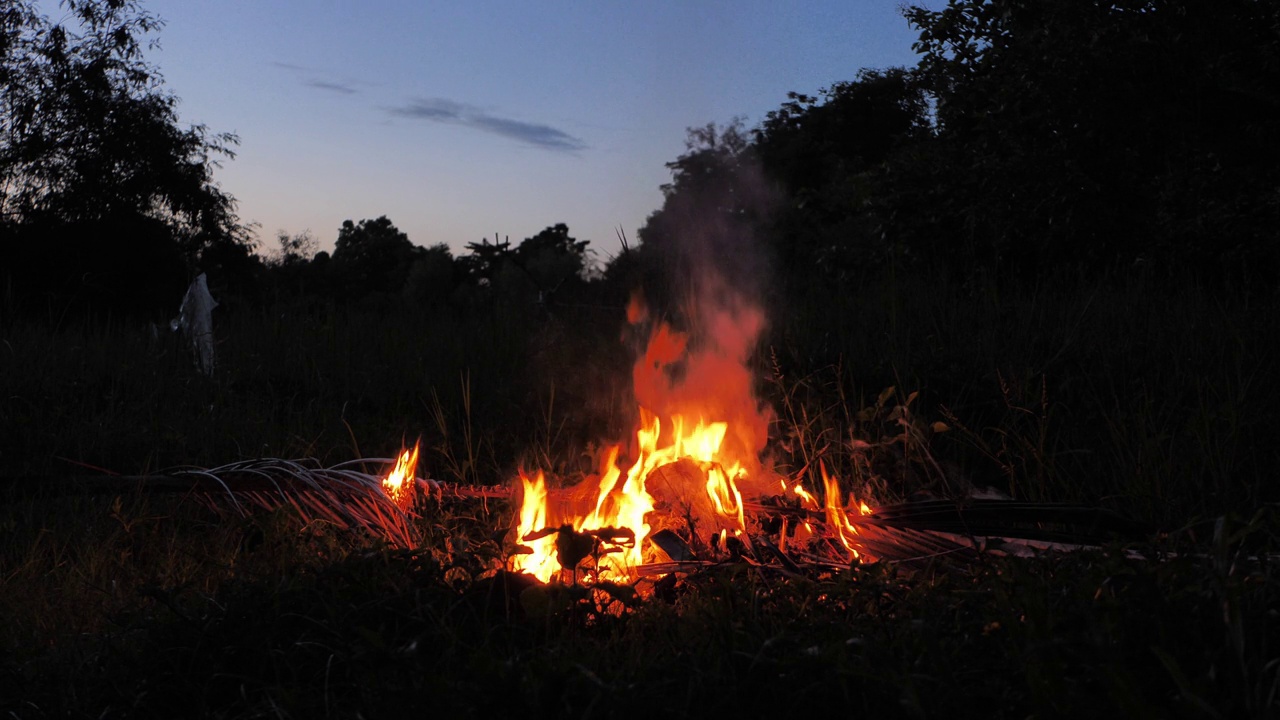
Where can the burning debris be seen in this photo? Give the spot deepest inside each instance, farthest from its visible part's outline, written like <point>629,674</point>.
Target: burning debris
<point>690,490</point>
<point>400,482</point>
<point>340,495</point>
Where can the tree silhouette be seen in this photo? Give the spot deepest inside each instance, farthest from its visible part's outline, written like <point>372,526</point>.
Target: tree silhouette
<point>484,260</point>
<point>1031,137</point>
<point>712,213</point>
<point>91,152</point>
<point>372,256</point>
<point>1101,132</point>
<point>431,279</point>
<point>829,155</point>
<point>551,259</point>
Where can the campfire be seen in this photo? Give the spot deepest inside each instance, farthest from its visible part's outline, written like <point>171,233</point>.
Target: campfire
<point>692,483</point>
<point>692,488</point>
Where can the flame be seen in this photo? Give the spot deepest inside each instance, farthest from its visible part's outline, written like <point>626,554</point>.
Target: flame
<point>622,501</point>
<point>399,483</point>
<point>540,560</point>
<point>805,495</point>
<point>696,451</point>
<point>836,516</point>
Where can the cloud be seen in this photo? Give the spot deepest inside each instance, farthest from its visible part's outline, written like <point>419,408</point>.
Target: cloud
<point>319,79</point>
<point>449,111</point>
<point>437,109</point>
<point>331,86</point>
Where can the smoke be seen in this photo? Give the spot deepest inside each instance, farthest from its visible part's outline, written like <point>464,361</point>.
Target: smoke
<point>702,336</point>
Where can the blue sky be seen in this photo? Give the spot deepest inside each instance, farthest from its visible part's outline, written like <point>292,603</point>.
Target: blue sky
<point>460,120</point>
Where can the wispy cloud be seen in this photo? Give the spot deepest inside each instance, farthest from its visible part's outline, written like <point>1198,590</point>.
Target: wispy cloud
<point>449,111</point>
<point>332,86</point>
<point>321,80</point>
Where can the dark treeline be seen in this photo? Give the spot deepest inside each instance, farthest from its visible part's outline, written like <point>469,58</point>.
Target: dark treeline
<point>1059,226</point>
<point>374,264</point>
<point>1031,138</point>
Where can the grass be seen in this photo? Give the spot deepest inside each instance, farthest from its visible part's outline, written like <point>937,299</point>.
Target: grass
<point>273,618</point>
<point>1155,398</point>
<point>1152,401</point>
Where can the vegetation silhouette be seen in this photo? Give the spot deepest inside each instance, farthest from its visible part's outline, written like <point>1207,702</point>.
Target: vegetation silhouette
<point>95,167</point>
<point>1040,263</point>
<point>1010,209</point>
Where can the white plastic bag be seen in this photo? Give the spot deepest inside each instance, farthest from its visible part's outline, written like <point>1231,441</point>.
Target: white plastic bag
<point>195,322</point>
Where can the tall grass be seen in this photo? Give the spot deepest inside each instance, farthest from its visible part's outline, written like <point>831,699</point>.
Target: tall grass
<point>330,384</point>
<point>1152,400</point>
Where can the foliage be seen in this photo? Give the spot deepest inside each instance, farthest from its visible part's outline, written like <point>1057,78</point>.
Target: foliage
<point>1030,137</point>
<point>372,256</point>
<point>293,250</point>
<point>551,258</point>
<point>828,154</point>
<point>89,131</point>
<point>541,268</point>
<point>707,225</point>
<point>91,146</point>
<point>1105,132</point>
<point>431,279</point>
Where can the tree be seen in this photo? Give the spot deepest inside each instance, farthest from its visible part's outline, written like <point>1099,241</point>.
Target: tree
<point>1102,131</point>
<point>89,132</point>
<point>712,214</point>
<point>484,260</point>
<point>829,154</point>
<point>293,250</point>
<point>533,272</point>
<point>90,146</point>
<point>551,258</point>
<point>430,282</point>
<point>372,256</point>
<point>289,267</point>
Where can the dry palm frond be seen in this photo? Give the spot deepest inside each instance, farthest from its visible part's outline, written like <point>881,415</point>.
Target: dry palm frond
<point>341,494</point>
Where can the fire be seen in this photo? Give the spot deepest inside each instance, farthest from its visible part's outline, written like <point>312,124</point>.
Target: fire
<point>399,483</point>
<point>694,461</point>
<point>686,476</point>
<point>618,520</point>
<point>696,453</point>
<point>836,517</point>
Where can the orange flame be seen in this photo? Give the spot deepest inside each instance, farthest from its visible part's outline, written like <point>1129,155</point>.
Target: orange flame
<point>623,501</point>
<point>399,483</point>
<point>846,531</point>
<point>696,452</point>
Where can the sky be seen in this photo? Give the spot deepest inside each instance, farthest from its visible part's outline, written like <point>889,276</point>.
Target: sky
<point>464,120</point>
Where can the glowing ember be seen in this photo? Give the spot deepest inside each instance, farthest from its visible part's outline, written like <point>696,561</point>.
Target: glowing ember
<point>399,483</point>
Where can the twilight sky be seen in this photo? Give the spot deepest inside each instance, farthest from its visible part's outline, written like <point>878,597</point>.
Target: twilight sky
<point>459,120</point>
